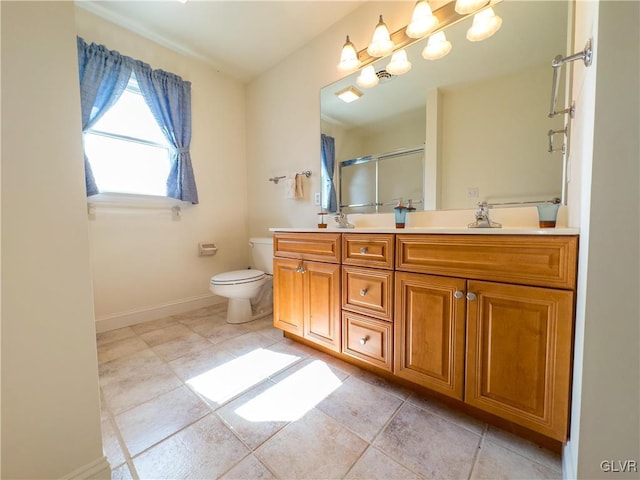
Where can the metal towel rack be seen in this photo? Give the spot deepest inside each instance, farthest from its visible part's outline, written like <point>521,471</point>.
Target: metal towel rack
<point>587,57</point>
<point>306,173</point>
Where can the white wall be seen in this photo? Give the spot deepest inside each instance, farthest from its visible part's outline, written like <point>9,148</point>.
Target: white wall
<point>605,413</point>
<point>521,167</point>
<point>145,261</point>
<point>50,401</point>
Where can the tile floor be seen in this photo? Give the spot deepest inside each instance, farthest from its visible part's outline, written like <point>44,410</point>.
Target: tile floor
<point>190,396</point>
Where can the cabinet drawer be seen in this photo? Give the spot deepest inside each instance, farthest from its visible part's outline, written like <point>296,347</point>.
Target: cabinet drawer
<point>322,247</point>
<point>539,260</point>
<point>367,339</point>
<point>368,291</point>
<point>368,250</point>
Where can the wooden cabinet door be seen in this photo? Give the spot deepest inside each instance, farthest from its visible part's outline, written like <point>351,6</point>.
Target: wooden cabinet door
<point>429,331</point>
<point>322,304</point>
<point>288,313</point>
<point>519,354</point>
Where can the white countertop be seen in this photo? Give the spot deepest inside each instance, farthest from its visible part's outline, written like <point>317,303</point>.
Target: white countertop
<point>438,230</point>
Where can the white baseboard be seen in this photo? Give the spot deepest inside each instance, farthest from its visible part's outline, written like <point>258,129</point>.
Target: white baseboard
<point>568,465</point>
<point>141,315</point>
<point>98,469</point>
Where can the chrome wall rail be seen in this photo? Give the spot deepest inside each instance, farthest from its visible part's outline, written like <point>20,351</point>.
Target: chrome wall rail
<point>587,57</point>
<point>306,173</point>
<point>551,134</point>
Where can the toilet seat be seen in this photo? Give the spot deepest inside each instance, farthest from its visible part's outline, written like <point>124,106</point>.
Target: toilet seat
<point>238,277</point>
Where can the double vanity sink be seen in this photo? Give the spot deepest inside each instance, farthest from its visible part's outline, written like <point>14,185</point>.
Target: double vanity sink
<point>483,318</point>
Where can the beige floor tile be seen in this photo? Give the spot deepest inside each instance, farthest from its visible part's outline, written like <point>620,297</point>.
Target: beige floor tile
<point>256,415</point>
<point>259,324</point>
<point>392,388</point>
<point>220,331</point>
<point>428,444</point>
<point>525,448</point>
<point>201,361</point>
<point>155,420</point>
<point>315,446</point>
<point>318,366</point>
<point>201,325</point>
<point>153,325</point>
<point>204,450</point>
<point>120,348</point>
<point>113,335</point>
<point>221,384</point>
<point>246,343</point>
<point>129,381</point>
<point>249,468</point>
<point>348,368</point>
<point>361,407</point>
<point>181,346</point>
<point>121,473</point>
<point>448,413</point>
<point>375,465</point>
<point>495,462</point>
<point>111,445</point>
<point>165,334</point>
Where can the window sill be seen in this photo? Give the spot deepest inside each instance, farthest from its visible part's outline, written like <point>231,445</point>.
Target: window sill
<point>134,202</point>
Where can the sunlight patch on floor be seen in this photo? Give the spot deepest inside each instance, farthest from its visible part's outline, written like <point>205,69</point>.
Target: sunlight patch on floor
<point>292,397</point>
<point>226,381</point>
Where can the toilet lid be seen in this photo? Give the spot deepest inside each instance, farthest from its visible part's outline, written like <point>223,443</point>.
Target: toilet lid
<point>237,277</point>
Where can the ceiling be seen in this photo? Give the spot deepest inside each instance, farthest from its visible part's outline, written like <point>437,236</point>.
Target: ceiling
<point>242,39</point>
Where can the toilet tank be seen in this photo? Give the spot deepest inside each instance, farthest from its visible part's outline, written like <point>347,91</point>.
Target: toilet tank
<point>262,253</point>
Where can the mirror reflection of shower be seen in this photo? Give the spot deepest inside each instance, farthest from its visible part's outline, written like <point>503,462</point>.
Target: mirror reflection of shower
<point>375,184</point>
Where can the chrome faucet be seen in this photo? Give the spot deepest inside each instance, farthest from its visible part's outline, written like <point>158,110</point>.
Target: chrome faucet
<point>482,218</point>
<point>341,219</point>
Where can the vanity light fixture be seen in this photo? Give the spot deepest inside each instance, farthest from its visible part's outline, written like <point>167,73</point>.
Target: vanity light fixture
<point>381,44</point>
<point>399,63</point>
<point>422,21</point>
<point>464,7</point>
<point>437,47</point>
<point>348,58</point>
<point>368,77</point>
<point>349,94</point>
<point>485,24</point>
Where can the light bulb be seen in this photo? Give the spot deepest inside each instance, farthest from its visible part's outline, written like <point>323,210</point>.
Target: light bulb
<point>437,47</point>
<point>381,44</point>
<point>464,7</point>
<point>399,63</point>
<point>368,77</point>
<point>485,24</point>
<point>348,58</point>
<point>422,20</point>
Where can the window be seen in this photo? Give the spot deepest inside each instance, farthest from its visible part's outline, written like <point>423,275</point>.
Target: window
<point>126,148</point>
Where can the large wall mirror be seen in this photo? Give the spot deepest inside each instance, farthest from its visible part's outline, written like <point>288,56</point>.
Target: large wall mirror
<point>466,128</point>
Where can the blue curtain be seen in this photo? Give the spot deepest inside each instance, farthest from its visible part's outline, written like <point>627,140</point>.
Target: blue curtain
<point>328,157</point>
<point>104,75</point>
<point>169,98</point>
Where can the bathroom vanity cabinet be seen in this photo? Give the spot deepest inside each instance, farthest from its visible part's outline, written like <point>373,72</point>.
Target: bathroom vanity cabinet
<point>484,319</point>
<point>306,278</point>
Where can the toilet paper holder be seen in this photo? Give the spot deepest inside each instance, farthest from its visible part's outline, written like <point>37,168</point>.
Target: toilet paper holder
<point>207,249</point>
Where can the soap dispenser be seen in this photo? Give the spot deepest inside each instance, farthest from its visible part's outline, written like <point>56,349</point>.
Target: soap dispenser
<point>400,212</point>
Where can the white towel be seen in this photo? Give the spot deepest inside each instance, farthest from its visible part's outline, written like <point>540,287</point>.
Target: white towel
<point>298,189</point>
<point>289,188</point>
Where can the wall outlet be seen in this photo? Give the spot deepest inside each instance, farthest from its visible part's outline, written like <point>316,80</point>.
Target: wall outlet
<point>473,192</point>
<point>316,198</point>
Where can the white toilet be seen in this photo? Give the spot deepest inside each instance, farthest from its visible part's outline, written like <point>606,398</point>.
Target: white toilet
<point>250,291</point>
